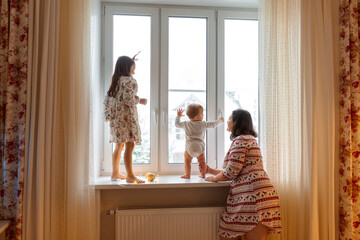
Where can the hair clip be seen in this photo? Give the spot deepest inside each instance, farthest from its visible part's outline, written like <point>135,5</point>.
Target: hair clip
<point>134,57</point>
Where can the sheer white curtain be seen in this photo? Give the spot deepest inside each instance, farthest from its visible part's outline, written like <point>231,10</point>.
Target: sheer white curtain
<point>280,121</point>
<point>298,104</point>
<point>59,201</point>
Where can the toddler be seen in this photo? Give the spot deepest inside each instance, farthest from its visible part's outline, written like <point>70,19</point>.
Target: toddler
<point>195,133</point>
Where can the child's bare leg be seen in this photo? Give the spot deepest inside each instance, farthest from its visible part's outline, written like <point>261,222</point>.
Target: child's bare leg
<point>188,160</point>
<point>130,178</point>
<point>202,165</point>
<point>116,162</point>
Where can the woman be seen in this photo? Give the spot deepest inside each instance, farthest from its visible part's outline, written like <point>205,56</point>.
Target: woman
<point>253,207</point>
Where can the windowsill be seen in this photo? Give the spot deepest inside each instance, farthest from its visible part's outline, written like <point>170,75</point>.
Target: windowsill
<point>165,181</point>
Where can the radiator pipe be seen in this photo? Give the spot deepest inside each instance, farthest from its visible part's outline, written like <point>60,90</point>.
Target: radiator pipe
<point>110,212</point>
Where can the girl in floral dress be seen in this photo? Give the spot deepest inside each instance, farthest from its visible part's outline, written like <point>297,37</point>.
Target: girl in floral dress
<point>121,110</point>
<point>253,207</point>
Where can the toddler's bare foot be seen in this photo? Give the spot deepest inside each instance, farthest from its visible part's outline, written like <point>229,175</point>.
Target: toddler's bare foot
<point>203,168</point>
<point>134,179</point>
<point>185,176</point>
<point>117,176</point>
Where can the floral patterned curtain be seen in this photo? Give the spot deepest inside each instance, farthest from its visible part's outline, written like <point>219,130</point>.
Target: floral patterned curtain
<point>350,119</point>
<point>13,75</point>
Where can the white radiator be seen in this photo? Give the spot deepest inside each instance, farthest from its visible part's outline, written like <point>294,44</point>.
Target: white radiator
<point>168,224</point>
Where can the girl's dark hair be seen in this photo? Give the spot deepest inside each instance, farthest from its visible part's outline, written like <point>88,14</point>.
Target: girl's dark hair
<point>122,68</point>
<point>242,124</point>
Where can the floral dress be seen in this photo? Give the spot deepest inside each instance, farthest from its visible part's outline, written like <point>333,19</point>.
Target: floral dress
<point>122,112</point>
<point>252,198</point>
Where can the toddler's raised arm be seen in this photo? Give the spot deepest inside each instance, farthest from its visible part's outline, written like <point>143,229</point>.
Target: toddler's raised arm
<point>179,124</point>
<point>214,124</point>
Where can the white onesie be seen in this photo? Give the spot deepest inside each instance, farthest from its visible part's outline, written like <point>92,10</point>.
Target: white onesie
<point>195,134</point>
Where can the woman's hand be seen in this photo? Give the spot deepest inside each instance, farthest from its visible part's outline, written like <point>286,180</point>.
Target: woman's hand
<point>143,101</point>
<point>222,119</point>
<point>210,179</point>
<point>219,177</point>
<point>180,112</point>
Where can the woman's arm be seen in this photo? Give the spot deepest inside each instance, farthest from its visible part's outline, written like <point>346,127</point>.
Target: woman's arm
<point>235,163</point>
<point>219,177</point>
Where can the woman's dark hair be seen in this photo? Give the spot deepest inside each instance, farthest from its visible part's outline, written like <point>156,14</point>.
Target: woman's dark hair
<point>242,124</point>
<point>122,68</point>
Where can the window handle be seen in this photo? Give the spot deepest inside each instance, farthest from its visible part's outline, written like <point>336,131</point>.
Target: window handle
<point>156,116</point>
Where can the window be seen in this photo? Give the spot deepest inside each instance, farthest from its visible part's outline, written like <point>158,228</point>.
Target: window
<point>187,81</point>
<point>187,76</point>
<point>128,30</point>
<point>238,66</point>
<point>140,32</point>
<point>241,68</point>
<point>184,73</point>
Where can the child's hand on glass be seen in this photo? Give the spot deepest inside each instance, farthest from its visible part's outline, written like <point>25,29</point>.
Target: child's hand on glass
<point>222,119</point>
<point>143,101</point>
<point>180,112</point>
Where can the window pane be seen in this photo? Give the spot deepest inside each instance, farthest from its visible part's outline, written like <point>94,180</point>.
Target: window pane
<point>241,69</point>
<point>187,53</point>
<point>131,35</point>
<point>187,75</point>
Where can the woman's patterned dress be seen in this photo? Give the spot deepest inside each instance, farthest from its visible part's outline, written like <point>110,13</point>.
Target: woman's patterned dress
<point>252,198</point>
<point>122,112</point>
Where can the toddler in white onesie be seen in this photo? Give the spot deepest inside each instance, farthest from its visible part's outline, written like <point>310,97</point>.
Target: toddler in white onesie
<point>195,133</point>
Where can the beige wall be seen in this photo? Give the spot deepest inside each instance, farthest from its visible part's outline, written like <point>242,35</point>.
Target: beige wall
<point>155,198</point>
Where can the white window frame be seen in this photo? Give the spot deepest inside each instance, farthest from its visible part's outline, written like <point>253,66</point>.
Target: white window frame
<point>165,167</point>
<point>222,15</point>
<point>159,81</point>
<point>107,37</point>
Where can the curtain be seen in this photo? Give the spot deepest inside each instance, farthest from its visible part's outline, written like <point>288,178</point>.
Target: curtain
<point>43,190</point>
<point>298,126</point>
<point>319,53</point>
<point>349,191</point>
<point>280,123</point>
<point>74,86</point>
<point>59,197</point>
<point>14,24</point>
